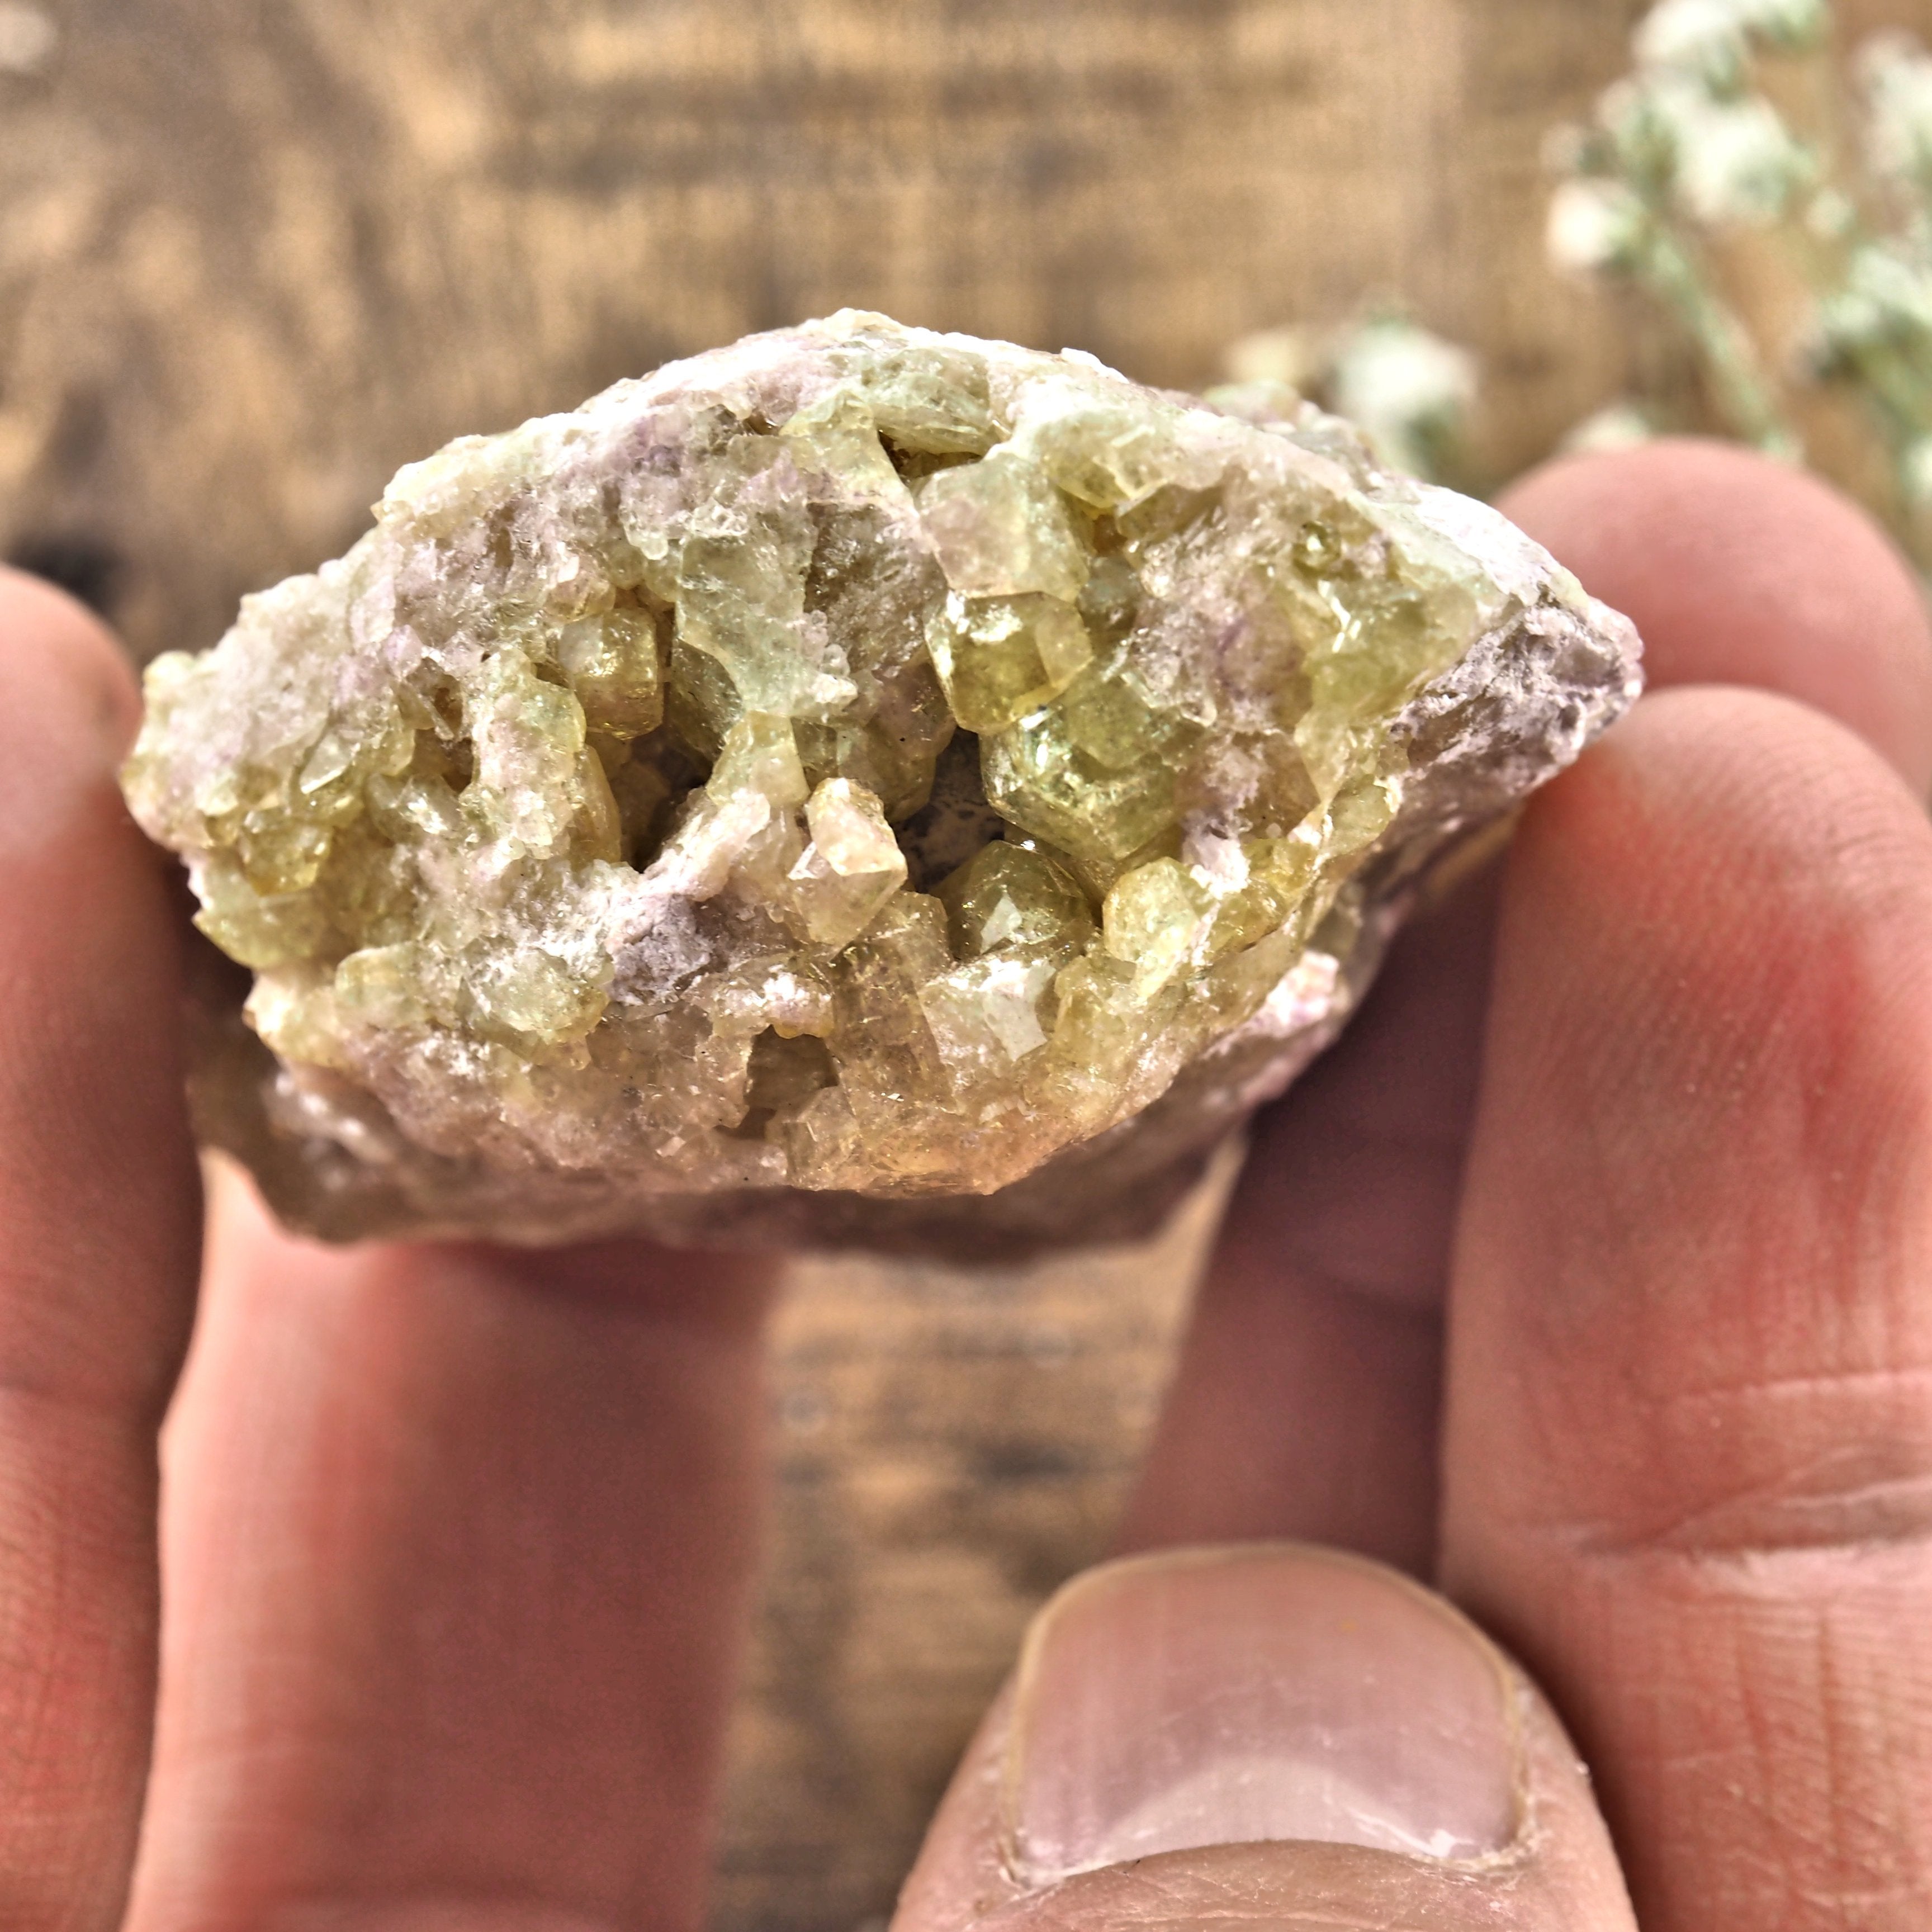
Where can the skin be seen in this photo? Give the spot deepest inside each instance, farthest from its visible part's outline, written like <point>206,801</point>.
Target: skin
<point>1588,1276</point>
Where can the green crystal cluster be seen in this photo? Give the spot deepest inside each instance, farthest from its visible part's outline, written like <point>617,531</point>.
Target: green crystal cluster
<point>860,759</point>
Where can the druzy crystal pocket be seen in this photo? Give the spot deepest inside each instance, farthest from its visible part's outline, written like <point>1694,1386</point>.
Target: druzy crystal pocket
<point>858,784</point>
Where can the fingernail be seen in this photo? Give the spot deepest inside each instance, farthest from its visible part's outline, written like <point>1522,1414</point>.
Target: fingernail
<point>1254,1693</point>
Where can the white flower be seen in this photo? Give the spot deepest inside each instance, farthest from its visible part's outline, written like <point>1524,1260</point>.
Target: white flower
<point>1886,298</point>
<point>1703,36</point>
<point>1787,23</point>
<point>1595,227</point>
<point>1880,319</point>
<point>1712,36</point>
<point>1898,75</point>
<point>1617,426</point>
<point>1395,372</point>
<point>1737,162</point>
<point>1404,387</point>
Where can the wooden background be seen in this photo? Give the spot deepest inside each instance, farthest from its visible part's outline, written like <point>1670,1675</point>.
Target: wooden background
<point>255,253</point>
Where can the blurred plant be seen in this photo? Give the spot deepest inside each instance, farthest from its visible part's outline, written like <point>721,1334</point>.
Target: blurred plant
<point>1779,206</point>
<point>1410,392</point>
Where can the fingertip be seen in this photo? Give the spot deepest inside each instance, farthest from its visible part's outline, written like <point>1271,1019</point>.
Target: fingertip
<point>98,1202</point>
<point>98,1192</point>
<point>1702,786</point>
<point>1739,570</point>
<point>1725,861</point>
<point>64,664</point>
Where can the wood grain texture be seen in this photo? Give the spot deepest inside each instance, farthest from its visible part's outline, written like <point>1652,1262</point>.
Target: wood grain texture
<point>255,253</point>
<point>951,1445</point>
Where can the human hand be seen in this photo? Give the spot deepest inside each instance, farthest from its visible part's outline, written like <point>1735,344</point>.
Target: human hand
<point>1676,1190</point>
<point>457,1540</point>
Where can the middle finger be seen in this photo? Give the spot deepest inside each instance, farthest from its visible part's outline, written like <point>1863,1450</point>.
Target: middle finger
<point>456,1547</point>
<point>1305,1403</point>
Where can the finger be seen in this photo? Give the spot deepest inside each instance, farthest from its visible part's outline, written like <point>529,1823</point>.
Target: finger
<point>99,1226</point>
<point>1264,1735</point>
<point>1303,1402</point>
<point>1689,1442</point>
<point>1738,570</point>
<point>458,1542</point>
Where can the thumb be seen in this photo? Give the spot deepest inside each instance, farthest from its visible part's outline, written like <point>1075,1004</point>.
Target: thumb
<point>1265,1735</point>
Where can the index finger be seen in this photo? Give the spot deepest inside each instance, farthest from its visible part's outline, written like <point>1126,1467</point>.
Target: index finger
<point>1305,1401</point>
<point>1688,1456</point>
<point>1738,570</point>
<point>100,1226</point>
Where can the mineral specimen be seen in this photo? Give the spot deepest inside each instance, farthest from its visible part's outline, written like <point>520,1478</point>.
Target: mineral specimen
<point>860,785</point>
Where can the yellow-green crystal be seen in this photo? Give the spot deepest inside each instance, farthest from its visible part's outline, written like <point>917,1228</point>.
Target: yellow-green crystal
<point>860,765</point>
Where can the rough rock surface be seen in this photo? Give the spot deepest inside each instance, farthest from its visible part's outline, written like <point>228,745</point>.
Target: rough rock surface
<point>860,785</point>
